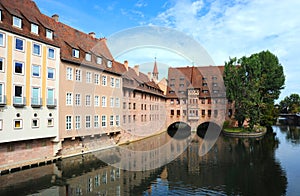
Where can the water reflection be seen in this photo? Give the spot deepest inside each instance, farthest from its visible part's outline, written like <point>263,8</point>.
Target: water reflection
<point>292,133</point>
<point>232,166</point>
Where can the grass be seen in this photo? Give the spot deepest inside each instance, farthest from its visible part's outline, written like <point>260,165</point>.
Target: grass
<point>236,130</point>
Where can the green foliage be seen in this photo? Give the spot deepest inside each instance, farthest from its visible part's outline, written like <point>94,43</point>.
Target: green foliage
<point>290,104</point>
<point>254,83</point>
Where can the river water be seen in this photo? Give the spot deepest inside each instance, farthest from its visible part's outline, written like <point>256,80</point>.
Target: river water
<point>162,166</point>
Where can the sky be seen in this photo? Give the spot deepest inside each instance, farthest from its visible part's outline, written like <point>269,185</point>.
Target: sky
<point>224,28</point>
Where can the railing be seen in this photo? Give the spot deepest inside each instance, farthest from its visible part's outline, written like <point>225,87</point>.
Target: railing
<point>36,102</point>
<point>51,103</point>
<point>190,117</point>
<point>2,100</point>
<point>19,101</point>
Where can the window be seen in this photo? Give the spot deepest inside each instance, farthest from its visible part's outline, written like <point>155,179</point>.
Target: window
<point>34,28</point>
<point>215,84</point>
<point>88,100</point>
<point>88,77</point>
<point>2,39</point>
<point>78,75</point>
<point>112,82</point>
<point>69,73</point>
<point>117,120</point>
<point>69,99</point>
<point>77,99</point>
<point>88,57</point>
<point>2,100</point>
<point>36,49</point>
<point>1,124</point>
<point>1,64</point>
<point>117,83</point>
<point>19,68</point>
<point>0,15</point>
<point>68,122</point>
<point>96,79</point>
<point>103,121</point>
<point>96,100</point>
<point>109,63</point>
<point>112,102</point>
<point>51,53</point>
<point>35,123</point>
<point>88,121</point>
<point>96,121</point>
<point>75,53</point>
<point>18,124</point>
<point>214,77</point>
<point>111,120</point>
<point>17,22</point>
<point>104,80</point>
<point>99,60</point>
<point>36,70</point>
<point>35,96</point>
<point>19,44</point>
<point>49,34</point>
<point>77,122</point>
<point>117,102</point>
<point>50,96</point>
<point>103,101</point>
<point>50,122</point>
<point>51,73</point>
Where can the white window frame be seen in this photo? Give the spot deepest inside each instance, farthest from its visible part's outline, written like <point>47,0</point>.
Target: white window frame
<point>34,28</point>
<point>88,122</point>
<point>99,60</point>
<point>96,78</point>
<point>103,101</point>
<point>117,120</point>
<point>52,69</point>
<point>112,102</point>
<point>88,100</point>
<point>40,49</point>
<point>88,57</point>
<point>3,39</point>
<point>111,120</point>
<point>109,64</point>
<point>75,53</point>
<point>68,122</point>
<point>49,34</point>
<point>69,73</point>
<point>88,77</point>
<point>112,82</point>
<point>117,83</point>
<point>78,75</point>
<point>96,101</point>
<point>23,44</point>
<point>103,121</point>
<point>77,122</point>
<point>23,68</point>
<point>96,121</point>
<point>49,53</point>
<point>17,22</point>
<point>21,123</point>
<point>104,80</point>
<point>77,99</point>
<point>1,124</point>
<point>69,99</point>
<point>38,123</point>
<point>3,64</point>
<point>50,122</point>
<point>117,104</point>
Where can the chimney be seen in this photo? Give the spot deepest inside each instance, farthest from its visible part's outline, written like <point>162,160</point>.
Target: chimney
<point>136,69</point>
<point>126,65</point>
<point>92,34</point>
<point>55,17</point>
<point>149,75</point>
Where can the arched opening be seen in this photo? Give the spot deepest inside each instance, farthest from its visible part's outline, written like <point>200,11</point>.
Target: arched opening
<point>212,127</point>
<point>179,130</point>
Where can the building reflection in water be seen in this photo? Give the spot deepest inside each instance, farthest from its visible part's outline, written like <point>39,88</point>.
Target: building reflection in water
<point>232,166</point>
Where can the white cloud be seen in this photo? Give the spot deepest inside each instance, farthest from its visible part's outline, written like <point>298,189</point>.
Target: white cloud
<point>241,27</point>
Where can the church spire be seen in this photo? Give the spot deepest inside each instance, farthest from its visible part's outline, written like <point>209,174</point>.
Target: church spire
<point>155,71</point>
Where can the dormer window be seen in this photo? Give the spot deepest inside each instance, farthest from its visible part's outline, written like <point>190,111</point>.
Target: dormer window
<point>34,28</point>
<point>75,53</point>
<point>17,22</point>
<point>99,60</point>
<point>88,57</point>
<point>49,34</point>
<point>109,63</point>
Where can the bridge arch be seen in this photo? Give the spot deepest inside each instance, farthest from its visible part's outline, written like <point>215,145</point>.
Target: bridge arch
<point>179,130</point>
<point>213,127</point>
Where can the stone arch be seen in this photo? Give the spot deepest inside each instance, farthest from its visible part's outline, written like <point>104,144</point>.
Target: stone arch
<point>179,130</point>
<point>209,126</point>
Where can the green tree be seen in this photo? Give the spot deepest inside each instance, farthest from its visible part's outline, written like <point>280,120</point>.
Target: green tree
<point>290,104</point>
<point>253,83</point>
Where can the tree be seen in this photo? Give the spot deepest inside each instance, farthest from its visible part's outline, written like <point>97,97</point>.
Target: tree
<point>253,83</point>
<point>290,104</point>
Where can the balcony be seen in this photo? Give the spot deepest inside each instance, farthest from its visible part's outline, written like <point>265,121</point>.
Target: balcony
<point>51,103</point>
<point>36,102</point>
<point>19,101</point>
<point>2,100</point>
<point>191,117</point>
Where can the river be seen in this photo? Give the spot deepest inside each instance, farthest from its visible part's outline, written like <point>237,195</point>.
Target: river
<point>161,165</point>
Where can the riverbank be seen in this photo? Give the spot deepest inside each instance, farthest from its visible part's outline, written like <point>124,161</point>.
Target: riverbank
<point>244,133</point>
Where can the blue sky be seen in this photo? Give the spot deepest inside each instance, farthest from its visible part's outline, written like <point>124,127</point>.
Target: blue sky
<point>225,29</point>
